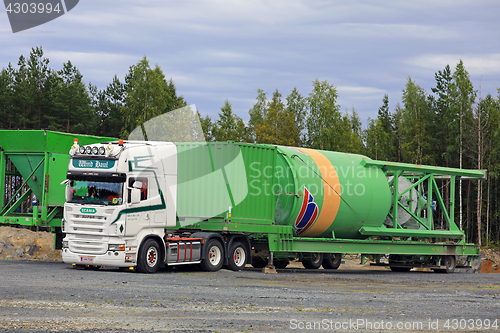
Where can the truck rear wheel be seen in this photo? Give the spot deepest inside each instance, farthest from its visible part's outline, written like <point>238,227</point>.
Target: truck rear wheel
<point>314,261</point>
<point>214,256</point>
<point>149,257</point>
<point>238,255</point>
<point>332,260</point>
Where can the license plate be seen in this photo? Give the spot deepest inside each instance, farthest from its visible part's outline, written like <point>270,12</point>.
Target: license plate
<point>87,260</point>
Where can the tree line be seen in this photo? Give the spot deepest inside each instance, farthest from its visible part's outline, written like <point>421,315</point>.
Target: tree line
<point>35,96</point>
<point>453,125</point>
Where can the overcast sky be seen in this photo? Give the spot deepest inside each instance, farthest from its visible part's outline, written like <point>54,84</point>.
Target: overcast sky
<point>226,49</point>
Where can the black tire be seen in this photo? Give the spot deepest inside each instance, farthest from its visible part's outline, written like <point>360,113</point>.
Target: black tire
<point>214,256</point>
<point>149,258</point>
<point>400,269</point>
<point>259,262</point>
<point>314,261</point>
<point>450,263</point>
<point>238,256</point>
<point>332,260</point>
<point>281,263</point>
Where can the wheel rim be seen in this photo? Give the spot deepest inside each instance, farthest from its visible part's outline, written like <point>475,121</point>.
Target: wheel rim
<point>214,255</point>
<point>316,258</point>
<point>152,256</point>
<point>239,256</point>
<point>336,259</point>
<point>449,263</point>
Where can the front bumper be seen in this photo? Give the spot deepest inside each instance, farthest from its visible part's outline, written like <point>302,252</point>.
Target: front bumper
<point>110,258</point>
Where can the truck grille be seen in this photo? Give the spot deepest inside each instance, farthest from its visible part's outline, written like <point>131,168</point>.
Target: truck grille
<point>88,224</point>
<point>82,246</point>
<point>87,234</point>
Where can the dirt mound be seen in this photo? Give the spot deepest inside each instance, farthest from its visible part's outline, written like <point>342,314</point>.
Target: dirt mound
<point>491,261</point>
<point>17,243</point>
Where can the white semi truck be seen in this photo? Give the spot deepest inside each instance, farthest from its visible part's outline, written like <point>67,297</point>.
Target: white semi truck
<point>143,204</point>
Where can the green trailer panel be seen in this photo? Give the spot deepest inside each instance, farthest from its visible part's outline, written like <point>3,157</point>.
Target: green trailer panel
<point>211,179</point>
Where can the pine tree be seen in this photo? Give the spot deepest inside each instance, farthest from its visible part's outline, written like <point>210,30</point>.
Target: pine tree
<point>297,105</point>
<point>257,113</point>
<point>463,97</point>
<point>416,147</point>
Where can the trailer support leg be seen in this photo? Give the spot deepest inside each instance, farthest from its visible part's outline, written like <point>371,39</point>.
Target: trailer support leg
<point>270,266</point>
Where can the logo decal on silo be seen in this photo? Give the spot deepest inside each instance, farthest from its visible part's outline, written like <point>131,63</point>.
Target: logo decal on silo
<point>308,213</point>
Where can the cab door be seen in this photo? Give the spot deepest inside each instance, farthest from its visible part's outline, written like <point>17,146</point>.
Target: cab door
<point>138,213</point>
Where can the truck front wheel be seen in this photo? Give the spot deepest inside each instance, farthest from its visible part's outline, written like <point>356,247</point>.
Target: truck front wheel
<point>149,257</point>
<point>238,255</point>
<point>214,256</point>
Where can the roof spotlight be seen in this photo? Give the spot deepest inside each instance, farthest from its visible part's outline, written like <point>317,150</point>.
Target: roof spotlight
<point>88,150</point>
<point>95,150</point>
<point>101,150</point>
<point>82,150</point>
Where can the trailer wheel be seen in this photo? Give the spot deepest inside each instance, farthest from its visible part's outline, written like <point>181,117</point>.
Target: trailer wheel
<point>314,261</point>
<point>400,269</point>
<point>238,255</point>
<point>149,259</point>
<point>214,256</point>
<point>259,262</point>
<point>450,263</point>
<point>332,260</point>
<point>281,263</point>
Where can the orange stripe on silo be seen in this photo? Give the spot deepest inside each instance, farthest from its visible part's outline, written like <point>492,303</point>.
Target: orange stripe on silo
<point>331,198</point>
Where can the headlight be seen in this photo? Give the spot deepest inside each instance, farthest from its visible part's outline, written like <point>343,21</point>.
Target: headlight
<point>64,244</point>
<point>88,150</point>
<point>115,247</point>
<point>95,150</point>
<point>82,150</point>
<point>101,150</point>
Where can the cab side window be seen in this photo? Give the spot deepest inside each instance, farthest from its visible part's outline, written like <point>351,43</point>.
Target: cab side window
<point>144,189</point>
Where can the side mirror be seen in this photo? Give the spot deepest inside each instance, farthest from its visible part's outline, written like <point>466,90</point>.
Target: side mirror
<point>135,195</point>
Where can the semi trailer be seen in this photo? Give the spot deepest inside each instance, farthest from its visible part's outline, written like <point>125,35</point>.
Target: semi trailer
<point>142,205</point>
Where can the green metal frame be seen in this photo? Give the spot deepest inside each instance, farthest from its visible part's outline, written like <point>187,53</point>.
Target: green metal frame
<point>426,177</point>
<point>49,152</point>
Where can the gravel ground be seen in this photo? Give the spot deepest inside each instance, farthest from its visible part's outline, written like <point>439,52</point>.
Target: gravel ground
<point>52,296</point>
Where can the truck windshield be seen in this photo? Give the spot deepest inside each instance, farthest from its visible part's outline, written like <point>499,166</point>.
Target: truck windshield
<point>95,192</point>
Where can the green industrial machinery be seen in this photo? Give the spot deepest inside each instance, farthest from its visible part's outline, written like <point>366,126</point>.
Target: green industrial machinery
<point>33,163</point>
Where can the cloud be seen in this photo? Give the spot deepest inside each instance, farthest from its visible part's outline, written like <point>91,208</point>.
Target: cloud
<point>90,59</point>
<point>357,90</point>
<point>477,65</point>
